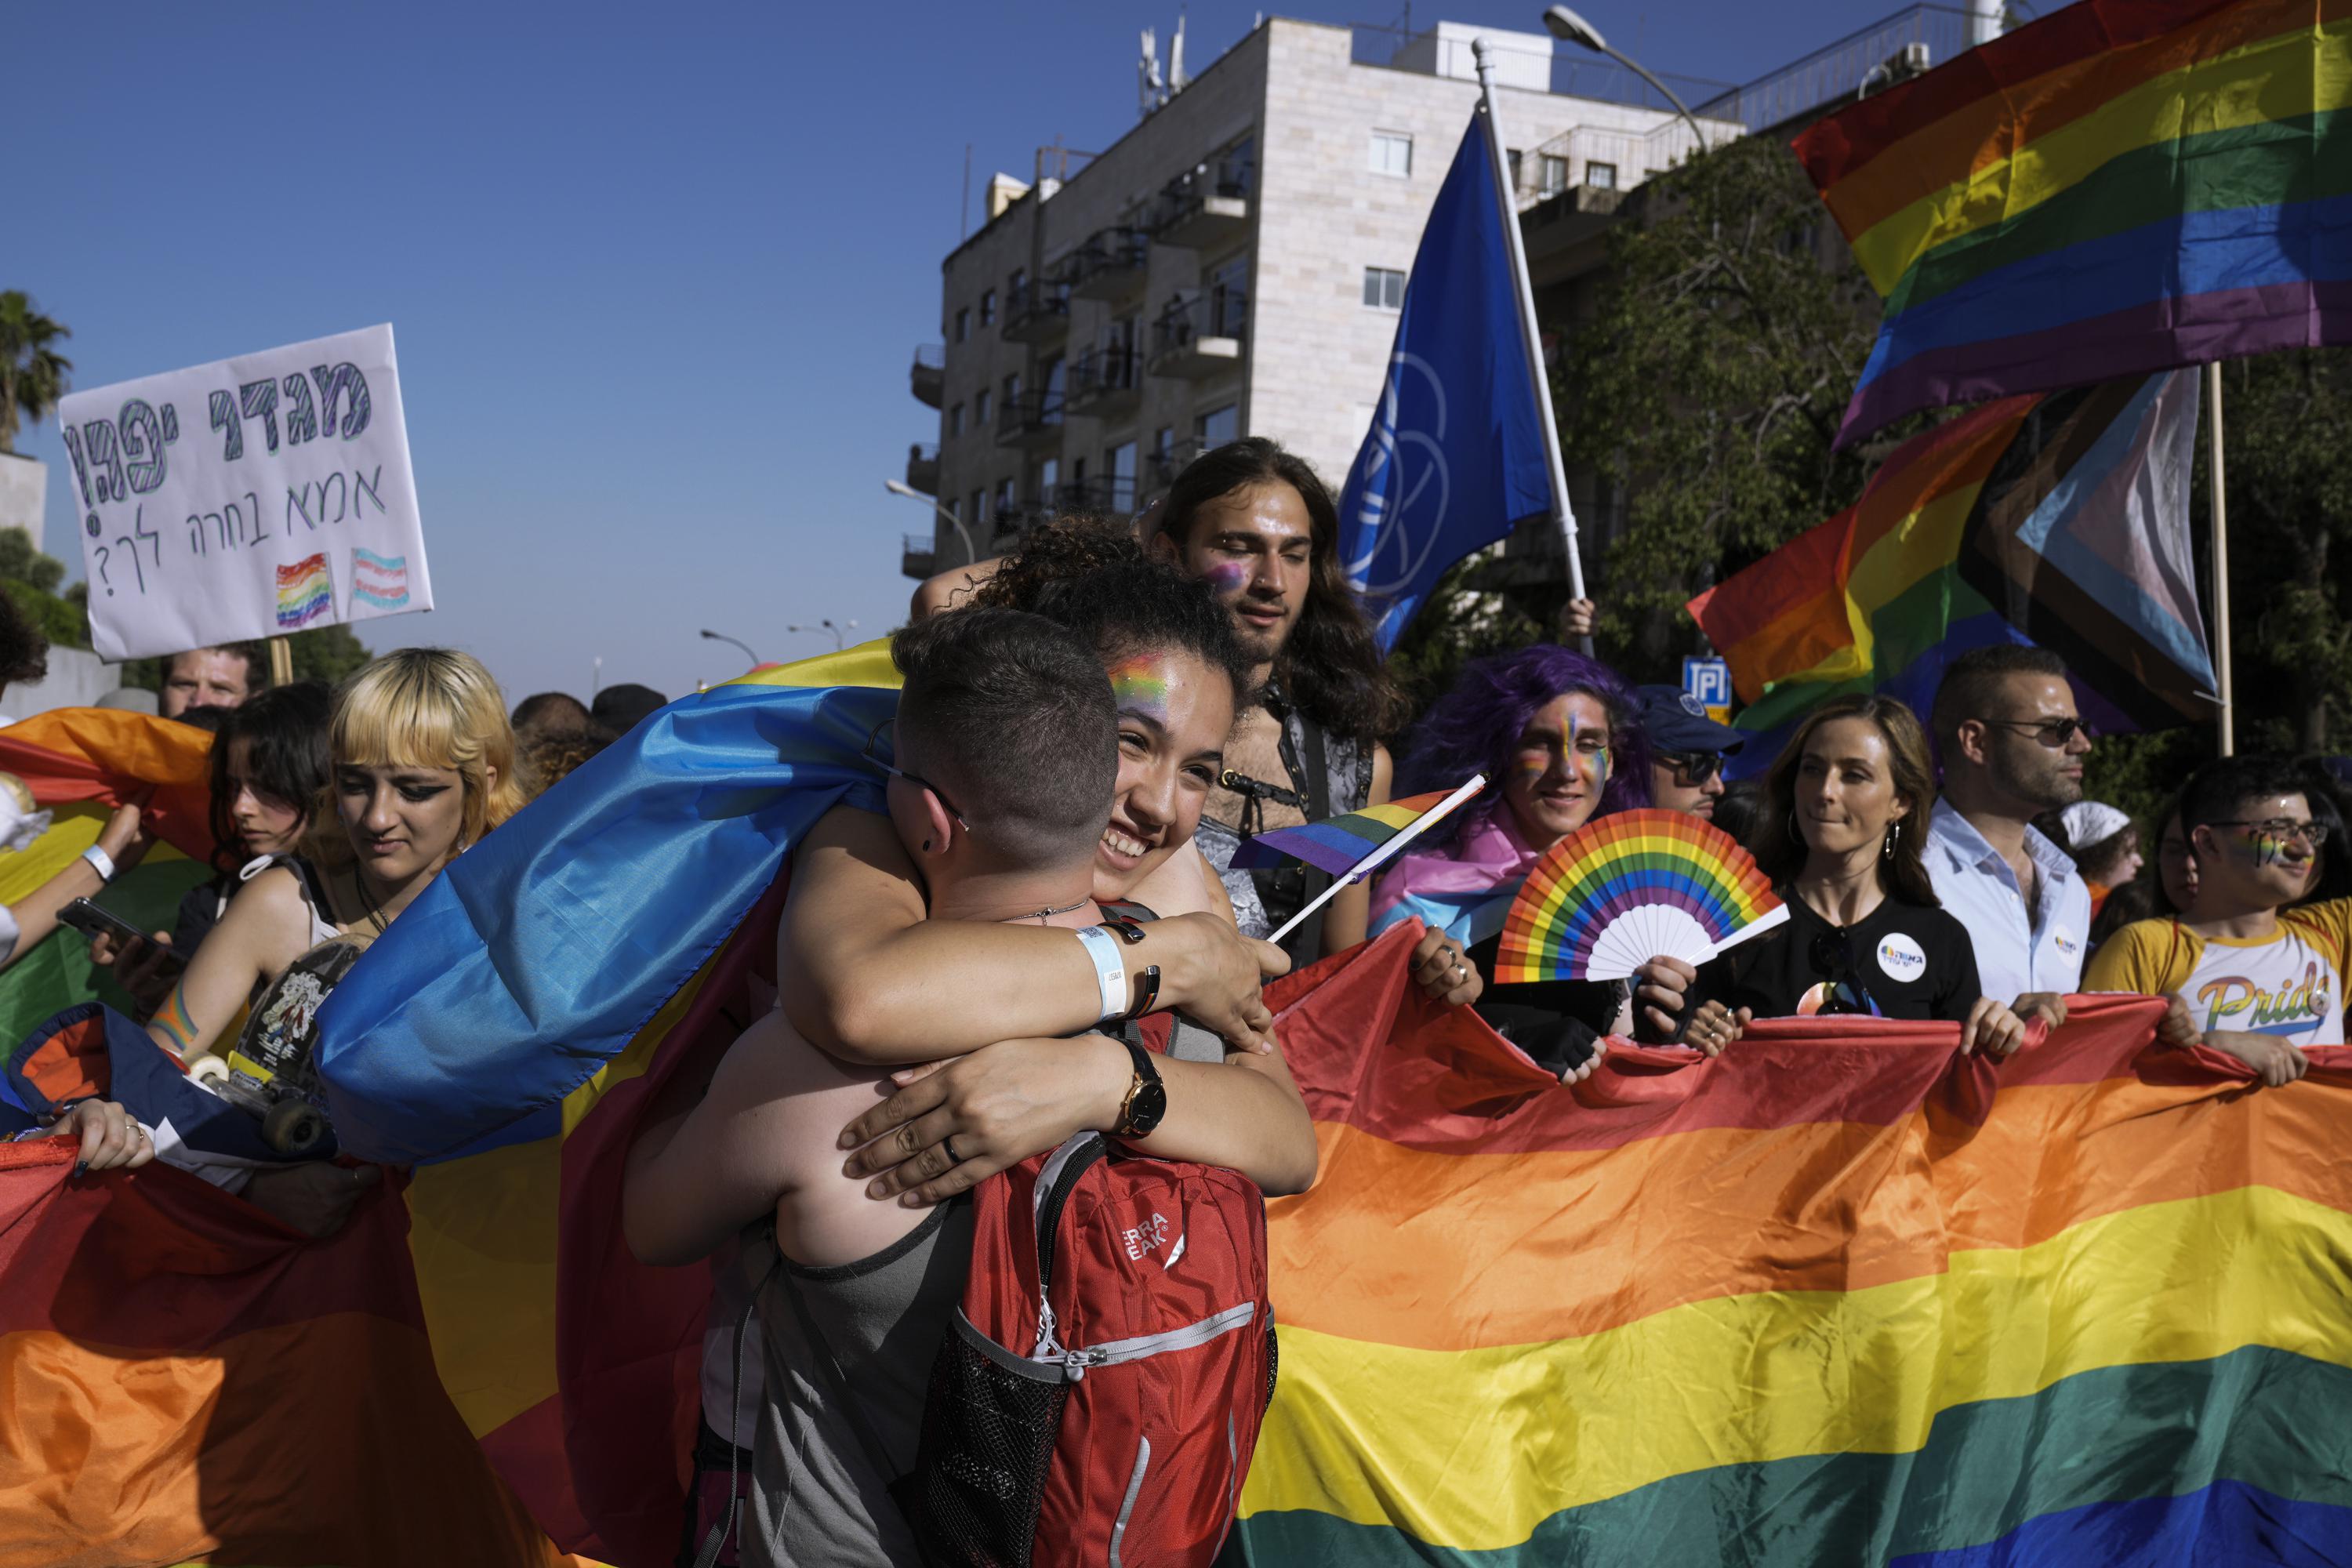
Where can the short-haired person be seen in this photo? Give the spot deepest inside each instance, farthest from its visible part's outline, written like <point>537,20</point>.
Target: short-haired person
<point>2260,980</point>
<point>1840,837</point>
<point>549,713</point>
<point>1255,522</point>
<point>2103,843</point>
<point>219,677</point>
<point>422,767</point>
<point>1006,748</point>
<point>621,708</point>
<point>2012,745</point>
<point>1687,750</point>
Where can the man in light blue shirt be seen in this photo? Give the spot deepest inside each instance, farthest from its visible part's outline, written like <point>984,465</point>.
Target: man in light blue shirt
<point>2013,746</point>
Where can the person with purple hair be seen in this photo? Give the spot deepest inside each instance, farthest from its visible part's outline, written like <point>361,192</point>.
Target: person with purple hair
<point>1559,737</point>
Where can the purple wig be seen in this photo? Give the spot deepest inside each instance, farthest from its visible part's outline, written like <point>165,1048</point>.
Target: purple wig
<point>1475,726</point>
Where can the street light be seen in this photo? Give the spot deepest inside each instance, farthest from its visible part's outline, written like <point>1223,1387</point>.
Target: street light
<point>1568,28</point>
<point>898,487</point>
<point>739,642</point>
<point>824,625</point>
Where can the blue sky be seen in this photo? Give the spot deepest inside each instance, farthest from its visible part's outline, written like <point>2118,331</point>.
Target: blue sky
<point>655,273</point>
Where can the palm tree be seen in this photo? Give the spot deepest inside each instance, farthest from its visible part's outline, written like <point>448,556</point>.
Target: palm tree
<point>31,374</point>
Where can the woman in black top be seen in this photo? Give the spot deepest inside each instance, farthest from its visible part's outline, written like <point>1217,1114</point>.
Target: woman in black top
<point>1846,810</point>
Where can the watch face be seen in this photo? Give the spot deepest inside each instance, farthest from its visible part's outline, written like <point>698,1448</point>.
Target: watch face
<point>1149,1105</point>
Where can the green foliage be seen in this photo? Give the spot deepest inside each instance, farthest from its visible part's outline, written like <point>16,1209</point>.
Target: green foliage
<point>332,654</point>
<point>21,561</point>
<point>1729,328</point>
<point>1459,621</point>
<point>32,373</point>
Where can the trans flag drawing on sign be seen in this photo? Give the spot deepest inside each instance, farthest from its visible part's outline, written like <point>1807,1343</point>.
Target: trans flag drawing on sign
<point>1455,454</point>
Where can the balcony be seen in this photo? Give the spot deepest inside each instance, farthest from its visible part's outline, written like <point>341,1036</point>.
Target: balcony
<point>1099,498</point>
<point>1037,310</point>
<point>930,374</point>
<point>1007,526</point>
<point>1207,206</point>
<point>1200,336</point>
<point>923,468</point>
<point>1103,382</point>
<point>1029,419</point>
<point>917,557</point>
<point>1111,264</point>
<point>1160,468</point>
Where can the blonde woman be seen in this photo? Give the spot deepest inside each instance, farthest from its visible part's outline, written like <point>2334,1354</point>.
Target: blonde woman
<point>423,766</point>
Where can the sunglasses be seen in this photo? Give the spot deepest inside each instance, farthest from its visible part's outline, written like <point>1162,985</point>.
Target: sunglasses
<point>874,740</point>
<point>1844,991</point>
<point>2281,827</point>
<point>1692,769</point>
<point>2052,732</point>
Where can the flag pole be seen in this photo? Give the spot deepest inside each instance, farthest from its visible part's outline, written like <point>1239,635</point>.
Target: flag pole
<point>2220,555</point>
<point>1563,514</point>
<point>1383,853</point>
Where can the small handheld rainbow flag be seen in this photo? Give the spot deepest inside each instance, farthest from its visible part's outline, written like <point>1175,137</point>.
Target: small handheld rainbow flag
<point>1630,887</point>
<point>1351,848</point>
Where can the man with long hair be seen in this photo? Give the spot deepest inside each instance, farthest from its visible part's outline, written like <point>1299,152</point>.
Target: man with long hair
<point>1254,521</point>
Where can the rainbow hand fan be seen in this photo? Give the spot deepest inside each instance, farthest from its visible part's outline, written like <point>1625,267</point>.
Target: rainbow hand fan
<point>1632,887</point>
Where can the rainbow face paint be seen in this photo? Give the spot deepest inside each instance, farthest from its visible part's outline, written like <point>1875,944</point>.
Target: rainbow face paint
<point>1139,685</point>
<point>1227,578</point>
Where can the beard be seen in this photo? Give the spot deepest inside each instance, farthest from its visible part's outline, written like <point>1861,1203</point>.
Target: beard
<point>2040,781</point>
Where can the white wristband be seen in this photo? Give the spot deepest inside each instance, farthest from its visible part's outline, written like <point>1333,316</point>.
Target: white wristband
<point>100,862</point>
<point>1110,968</point>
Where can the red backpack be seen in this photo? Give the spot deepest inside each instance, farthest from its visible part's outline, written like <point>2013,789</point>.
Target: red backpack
<point>1098,1395</point>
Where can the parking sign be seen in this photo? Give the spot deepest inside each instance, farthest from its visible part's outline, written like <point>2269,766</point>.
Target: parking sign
<point>1709,681</point>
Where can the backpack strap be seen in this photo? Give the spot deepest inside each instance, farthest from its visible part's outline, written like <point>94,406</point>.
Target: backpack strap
<point>716,1542</point>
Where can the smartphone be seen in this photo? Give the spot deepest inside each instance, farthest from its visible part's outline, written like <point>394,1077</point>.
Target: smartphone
<point>91,919</point>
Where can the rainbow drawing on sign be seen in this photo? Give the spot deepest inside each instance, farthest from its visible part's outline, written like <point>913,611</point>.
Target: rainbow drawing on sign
<point>379,582</point>
<point>306,592</point>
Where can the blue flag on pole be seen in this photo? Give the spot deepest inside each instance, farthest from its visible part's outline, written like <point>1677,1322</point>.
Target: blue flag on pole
<point>1455,455</point>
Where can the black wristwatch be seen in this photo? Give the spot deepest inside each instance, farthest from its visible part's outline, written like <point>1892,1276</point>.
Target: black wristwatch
<point>1146,1097</point>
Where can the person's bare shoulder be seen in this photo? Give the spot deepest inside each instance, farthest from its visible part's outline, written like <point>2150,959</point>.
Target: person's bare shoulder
<point>1184,884</point>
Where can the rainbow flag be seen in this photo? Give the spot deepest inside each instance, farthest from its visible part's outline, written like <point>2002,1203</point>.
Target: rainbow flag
<point>80,763</point>
<point>306,590</point>
<point>185,1380</point>
<point>2120,187</point>
<point>1336,843</point>
<point>2061,521</point>
<point>503,1037</point>
<point>1841,1296</point>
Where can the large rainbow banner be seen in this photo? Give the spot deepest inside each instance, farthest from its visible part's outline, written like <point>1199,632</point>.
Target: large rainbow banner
<point>2120,187</point>
<point>1840,1296</point>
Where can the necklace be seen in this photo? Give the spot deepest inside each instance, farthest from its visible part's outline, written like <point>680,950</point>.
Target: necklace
<point>1041,916</point>
<point>374,909</point>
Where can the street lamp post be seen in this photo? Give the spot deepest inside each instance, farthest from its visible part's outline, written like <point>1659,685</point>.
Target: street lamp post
<point>898,487</point>
<point>739,642</point>
<point>1569,27</point>
<point>826,625</point>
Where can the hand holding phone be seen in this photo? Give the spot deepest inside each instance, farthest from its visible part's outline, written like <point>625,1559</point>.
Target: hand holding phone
<point>130,943</point>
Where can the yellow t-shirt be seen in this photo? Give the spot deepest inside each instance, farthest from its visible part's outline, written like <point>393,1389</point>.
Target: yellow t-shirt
<point>2289,983</point>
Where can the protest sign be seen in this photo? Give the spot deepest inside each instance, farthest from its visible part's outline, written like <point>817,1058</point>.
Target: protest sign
<point>249,498</point>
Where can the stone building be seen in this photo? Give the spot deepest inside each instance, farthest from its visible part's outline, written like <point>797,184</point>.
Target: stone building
<point>1232,265</point>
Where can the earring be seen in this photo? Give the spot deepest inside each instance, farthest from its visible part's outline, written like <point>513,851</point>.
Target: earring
<point>1794,836</point>
<point>1894,838</point>
<point>926,844</point>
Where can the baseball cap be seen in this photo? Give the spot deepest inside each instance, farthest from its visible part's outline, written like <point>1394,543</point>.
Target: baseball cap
<point>1674,721</point>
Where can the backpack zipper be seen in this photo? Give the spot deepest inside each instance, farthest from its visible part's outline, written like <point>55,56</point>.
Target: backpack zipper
<point>1074,1165</point>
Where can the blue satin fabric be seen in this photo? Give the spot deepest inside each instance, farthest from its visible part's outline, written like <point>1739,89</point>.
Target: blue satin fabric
<point>542,951</point>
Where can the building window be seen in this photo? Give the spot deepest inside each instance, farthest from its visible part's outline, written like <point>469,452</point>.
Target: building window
<point>963,325</point>
<point>1551,176</point>
<point>1229,297</point>
<point>1012,392</point>
<point>1601,176</point>
<point>987,307</point>
<point>1049,480</point>
<point>1383,288</point>
<point>1391,154</point>
<point>979,508</point>
<point>955,420</point>
<point>1237,168</point>
<point>1119,476</point>
<point>980,408</point>
<point>1219,425</point>
<point>1004,500</point>
<point>1016,291</point>
<point>1516,157</point>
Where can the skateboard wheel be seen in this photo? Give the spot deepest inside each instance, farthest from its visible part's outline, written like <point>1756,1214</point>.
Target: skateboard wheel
<point>293,1127</point>
<point>209,1069</point>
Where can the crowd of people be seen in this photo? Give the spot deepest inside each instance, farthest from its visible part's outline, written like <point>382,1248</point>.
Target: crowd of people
<point>1087,731</point>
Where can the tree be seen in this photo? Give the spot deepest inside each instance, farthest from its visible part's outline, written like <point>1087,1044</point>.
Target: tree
<point>32,373</point>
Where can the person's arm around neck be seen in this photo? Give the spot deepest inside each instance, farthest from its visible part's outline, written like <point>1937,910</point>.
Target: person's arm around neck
<point>703,1163</point>
<point>866,978</point>
<point>123,840</point>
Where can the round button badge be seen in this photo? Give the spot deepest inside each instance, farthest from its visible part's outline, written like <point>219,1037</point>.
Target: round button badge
<point>1900,958</point>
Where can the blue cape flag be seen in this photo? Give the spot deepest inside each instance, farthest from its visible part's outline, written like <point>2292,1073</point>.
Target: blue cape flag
<point>1455,455</point>
<point>539,954</point>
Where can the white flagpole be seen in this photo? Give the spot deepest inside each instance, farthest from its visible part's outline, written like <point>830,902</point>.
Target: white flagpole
<point>1563,514</point>
<point>1383,853</point>
<point>2221,557</point>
